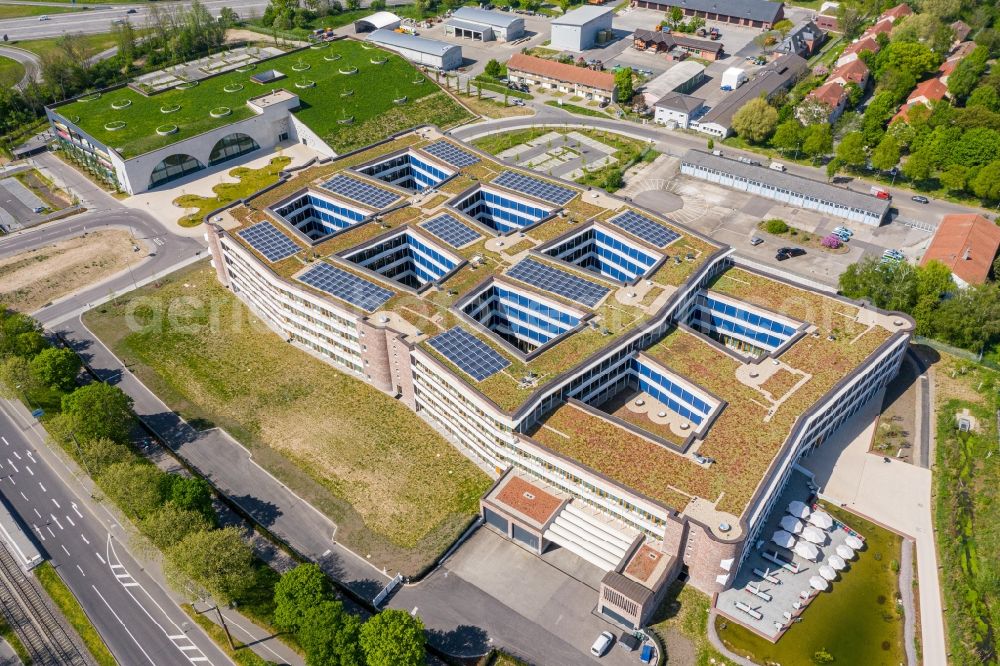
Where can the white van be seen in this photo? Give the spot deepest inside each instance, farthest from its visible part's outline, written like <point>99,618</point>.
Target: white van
<point>602,644</point>
<point>777,166</point>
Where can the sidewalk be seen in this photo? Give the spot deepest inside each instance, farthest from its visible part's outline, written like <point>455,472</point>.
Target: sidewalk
<point>895,494</point>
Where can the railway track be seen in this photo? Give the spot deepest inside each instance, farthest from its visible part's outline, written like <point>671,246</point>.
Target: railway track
<point>36,624</point>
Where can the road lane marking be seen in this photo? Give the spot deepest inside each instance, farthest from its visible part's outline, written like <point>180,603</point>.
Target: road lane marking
<point>70,521</point>
<point>100,558</point>
<point>12,481</point>
<point>80,515</point>
<point>66,550</point>
<point>12,464</point>
<point>84,539</point>
<point>27,500</point>
<point>42,487</point>
<point>80,569</point>
<point>39,530</point>
<point>16,454</point>
<point>137,643</point>
<point>29,470</point>
<point>51,533</point>
<point>31,456</point>
<point>56,503</point>
<point>37,512</point>
<point>56,521</point>
<point>6,443</point>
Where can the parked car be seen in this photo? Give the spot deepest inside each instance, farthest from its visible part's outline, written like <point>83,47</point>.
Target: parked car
<point>517,102</point>
<point>43,17</point>
<point>920,199</point>
<point>841,235</point>
<point>788,253</point>
<point>777,166</point>
<point>132,11</point>
<point>843,230</point>
<point>895,255</point>
<point>717,153</point>
<point>602,644</point>
<point>756,240</point>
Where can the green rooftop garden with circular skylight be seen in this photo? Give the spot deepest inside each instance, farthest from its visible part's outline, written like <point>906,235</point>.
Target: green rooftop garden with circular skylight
<point>128,121</point>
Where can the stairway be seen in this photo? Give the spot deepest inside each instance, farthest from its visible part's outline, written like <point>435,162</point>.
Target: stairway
<point>594,539</point>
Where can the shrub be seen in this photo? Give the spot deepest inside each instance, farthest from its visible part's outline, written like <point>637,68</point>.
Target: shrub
<point>776,226</point>
<point>822,657</point>
<point>831,242</point>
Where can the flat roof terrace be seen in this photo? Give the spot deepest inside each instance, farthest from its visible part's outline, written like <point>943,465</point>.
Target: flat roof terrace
<point>759,413</point>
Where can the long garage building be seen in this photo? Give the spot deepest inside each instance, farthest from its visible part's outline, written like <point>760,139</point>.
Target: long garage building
<point>427,52</point>
<point>753,13</point>
<point>483,25</point>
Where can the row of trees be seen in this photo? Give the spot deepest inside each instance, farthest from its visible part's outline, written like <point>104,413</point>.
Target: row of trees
<point>967,318</point>
<point>305,604</point>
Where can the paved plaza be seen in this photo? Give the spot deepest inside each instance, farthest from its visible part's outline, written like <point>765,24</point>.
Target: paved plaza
<point>562,155</point>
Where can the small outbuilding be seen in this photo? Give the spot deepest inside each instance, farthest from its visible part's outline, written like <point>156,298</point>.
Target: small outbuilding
<point>483,25</point>
<point>582,28</point>
<point>418,50</point>
<point>378,21</point>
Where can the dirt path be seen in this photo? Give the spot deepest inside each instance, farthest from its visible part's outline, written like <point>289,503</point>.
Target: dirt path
<point>31,279</point>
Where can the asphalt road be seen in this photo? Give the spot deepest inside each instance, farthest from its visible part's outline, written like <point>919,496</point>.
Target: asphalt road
<point>135,617</point>
<point>32,63</point>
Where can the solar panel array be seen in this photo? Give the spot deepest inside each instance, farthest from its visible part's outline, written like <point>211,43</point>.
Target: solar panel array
<point>558,282</point>
<point>451,230</point>
<point>266,239</point>
<point>473,356</point>
<point>642,227</point>
<point>447,152</point>
<point>534,187</point>
<point>346,286</point>
<point>360,191</point>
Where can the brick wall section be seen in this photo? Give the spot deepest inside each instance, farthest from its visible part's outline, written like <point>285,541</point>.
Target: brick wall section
<point>212,236</point>
<point>703,556</point>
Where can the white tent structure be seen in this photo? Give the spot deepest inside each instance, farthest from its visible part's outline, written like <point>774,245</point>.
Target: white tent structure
<point>818,583</point>
<point>806,550</point>
<point>798,509</point>
<point>845,552</point>
<point>791,524</point>
<point>783,539</point>
<point>828,573</point>
<point>821,519</point>
<point>837,562</point>
<point>814,534</point>
<point>854,542</point>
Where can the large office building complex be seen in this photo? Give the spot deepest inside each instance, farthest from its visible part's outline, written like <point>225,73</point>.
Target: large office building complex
<point>640,395</point>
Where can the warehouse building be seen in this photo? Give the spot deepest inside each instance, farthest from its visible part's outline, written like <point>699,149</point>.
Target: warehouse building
<point>582,81</point>
<point>628,449</point>
<point>787,188</point>
<point>378,21</point>
<point>582,28</point>
<point>753,13</point>
<point>780,74</point>
<point>682,78</point>
<point>677,46</point>
<point>427,52</point>
<point>483,25</point>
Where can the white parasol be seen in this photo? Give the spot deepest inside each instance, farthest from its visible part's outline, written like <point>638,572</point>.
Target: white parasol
<point>806,550</point>
<point>783,539</point>
<point>837,562</point>
<point>798,509</point>
<point>791,524</point>
<point>845,552</point>
<point>854,542</point>
<point>814,534</point>
<point>821,519</point>
<point>818,583</point>
<point>828,573</point>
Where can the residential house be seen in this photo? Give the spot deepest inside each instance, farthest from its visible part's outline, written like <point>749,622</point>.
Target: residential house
<point>931,90</point>
<point>961,30</point>
<point>803,40</point>
<point>678,108</point>
<point>822,105</point>
<point>967,244</point>
<point>896,13</point>
<point>854,50</point>
<point>678,46</point>
<point>855,72</point>
<point>827,17</point>
<point>553,75</point>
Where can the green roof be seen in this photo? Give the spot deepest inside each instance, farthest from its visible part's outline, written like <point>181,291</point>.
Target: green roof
<point>365,95</point>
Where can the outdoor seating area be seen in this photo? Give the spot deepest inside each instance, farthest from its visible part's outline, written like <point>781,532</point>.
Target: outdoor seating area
<point>801,552</point>
<point>217,63</point>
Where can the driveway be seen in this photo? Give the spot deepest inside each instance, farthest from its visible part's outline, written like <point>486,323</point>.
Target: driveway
<point>895,494</point>
<point>31,62</point>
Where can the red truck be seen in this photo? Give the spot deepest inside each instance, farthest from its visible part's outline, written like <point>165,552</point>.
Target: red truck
<point>880,192</point>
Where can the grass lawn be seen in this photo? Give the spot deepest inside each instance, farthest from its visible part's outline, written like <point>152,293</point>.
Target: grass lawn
<point>967,508</point>
<point>93,43</point>
<point>71,609</point>
<point>11,71</point>
<point>682,624</point>
<point>364,95</point>
<point>578,110</point>
<point>396,489</point>
<point>7,634</point>
<point>242,655</point>
<point>804,238</point>
<point>857,622</point>
<point>344,18</point>
<point>250,181</point>
<point>20,11</point>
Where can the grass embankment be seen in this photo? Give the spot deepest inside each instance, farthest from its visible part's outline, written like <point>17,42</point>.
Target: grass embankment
<point>71,609</point>
<point>8,634</point>
<point>967,509</point>
<point>90,43</point>
<point>250,181</point>
<point>242,655</point>
<point>11,71</point>
<point>54,198</point>
<point>343,18</point>
<point>396,489</point>
<point>345,97</point>
<point>487,83</point>
<point>20,11</point>
<point>682,624</point>
<point>578,110</point>
<point>858,622</point>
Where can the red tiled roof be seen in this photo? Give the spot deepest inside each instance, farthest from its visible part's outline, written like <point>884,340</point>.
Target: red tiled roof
<point>947,67</point>
<point>561,72</point>
<point>962,50</point>
<point>830,94</point>
<point>967,244</point>
<point>897,12</point>
<point>856,71</point>
<point>932,89</point>
<point>880,28</point>
<point>528,499</point>
<point>643,563</point>
<point>961,30</point>
<point>864,44</point>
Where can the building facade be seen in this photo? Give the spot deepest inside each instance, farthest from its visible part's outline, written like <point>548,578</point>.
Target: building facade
<point>484,25</point>
<point>581,28</point>
<point>752,13</point>
<point>586,83</point>
<point>418,50</point>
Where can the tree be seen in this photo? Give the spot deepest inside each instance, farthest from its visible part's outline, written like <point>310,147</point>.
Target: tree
<point>854,94</point>
<point>755,121</point>
<point>890,286</point>
<point>330,636</point>
<point>134,486</point>
<point>832,167</point>
<point>623,82</point>
<point>880,109</point>
<point>886,153</point>
<point>169,524</point>
<point>970,318</point>
<point>851,150</point>
<point>818,140</point>
<point>216,563</point>
<point>913,57</point>
<point>228,17</point>
<point>354,5</point>
<point>16,378</point>
<point>494,69</point>
<point>98,411</point>
<point>943,9</point>
<point>918,166</point>
<point>788,136</point>
<point>986,184</point>
<point>784,26</point>
<point>925,28</point>
<point>954,177</point>
<point>297,591</point>
<point>394,638</point>
<point>984,96</point>
<point>613,180</point>
<point>675,16</point>
<point>191,494</point>
<point>850,20</point>
<point>20,335</point>
<point>813,111</point>
<point>967,73</point>
<point>100,454</point>
<point>57,367</point>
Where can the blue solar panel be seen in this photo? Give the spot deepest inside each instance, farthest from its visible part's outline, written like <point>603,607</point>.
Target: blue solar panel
<point>446,152</point>
<point>266,239</point>
<point>645,228</point>
<point>360,191</point>
<point>534,187</point>
<point>346,286</point>
<point>558,281</point>
<point>450,230</point>
<point>469,353</point>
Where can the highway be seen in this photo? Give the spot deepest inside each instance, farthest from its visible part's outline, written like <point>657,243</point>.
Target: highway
<point>136,618</point>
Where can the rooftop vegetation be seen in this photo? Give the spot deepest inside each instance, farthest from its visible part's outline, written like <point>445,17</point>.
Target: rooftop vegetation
<point>371,105</point>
